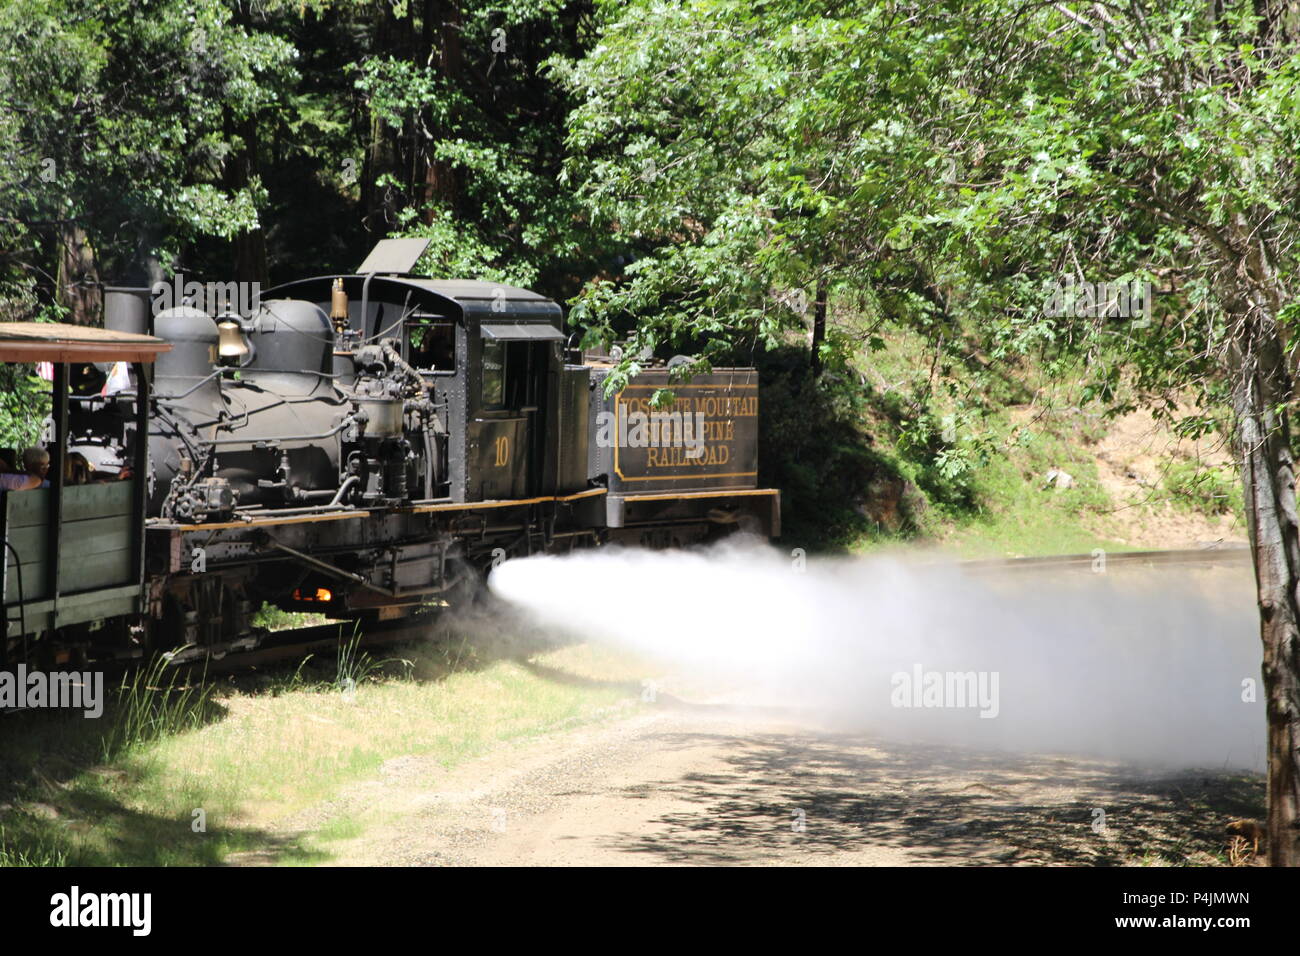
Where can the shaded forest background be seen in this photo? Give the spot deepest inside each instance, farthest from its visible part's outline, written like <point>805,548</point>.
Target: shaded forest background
<point>263,141</point>
<point>267,140</point>
<point>862,198</point>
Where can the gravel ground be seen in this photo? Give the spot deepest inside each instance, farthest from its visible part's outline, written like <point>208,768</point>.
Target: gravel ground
<point>719,784</point>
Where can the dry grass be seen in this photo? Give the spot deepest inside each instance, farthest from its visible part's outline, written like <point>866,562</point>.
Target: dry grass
<point>277,744</point>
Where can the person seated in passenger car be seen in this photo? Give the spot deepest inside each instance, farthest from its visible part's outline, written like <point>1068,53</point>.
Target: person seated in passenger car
<point>36,465</point>
<point>76,469</point>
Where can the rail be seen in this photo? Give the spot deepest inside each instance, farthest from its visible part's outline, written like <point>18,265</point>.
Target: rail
<point>1222,555</point>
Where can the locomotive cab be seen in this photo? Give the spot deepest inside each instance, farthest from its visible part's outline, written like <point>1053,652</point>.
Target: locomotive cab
<point>490,358</point>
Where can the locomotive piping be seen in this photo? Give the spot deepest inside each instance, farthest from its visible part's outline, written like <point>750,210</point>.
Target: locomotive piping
<point>275,439</point>
<point>325,566</point>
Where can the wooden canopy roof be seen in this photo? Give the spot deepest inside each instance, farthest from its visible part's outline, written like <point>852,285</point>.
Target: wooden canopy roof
<point>60,343</point>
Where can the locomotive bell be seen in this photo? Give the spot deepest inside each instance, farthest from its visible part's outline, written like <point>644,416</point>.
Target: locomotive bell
<point>231,344</point>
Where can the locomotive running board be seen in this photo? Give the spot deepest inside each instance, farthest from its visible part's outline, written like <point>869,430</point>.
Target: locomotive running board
<point>263,519</point>
<point>269,518</point>
<point>504,503</point>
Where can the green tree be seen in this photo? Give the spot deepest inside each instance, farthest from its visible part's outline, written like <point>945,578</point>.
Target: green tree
<point>952,164</point>
<point>467,140</point>
<point>114,117</point>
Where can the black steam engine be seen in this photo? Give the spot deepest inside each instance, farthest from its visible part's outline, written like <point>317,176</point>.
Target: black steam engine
<point>367,445</point>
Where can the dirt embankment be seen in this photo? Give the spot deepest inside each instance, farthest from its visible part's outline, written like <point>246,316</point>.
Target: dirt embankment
<point>1133,461</point>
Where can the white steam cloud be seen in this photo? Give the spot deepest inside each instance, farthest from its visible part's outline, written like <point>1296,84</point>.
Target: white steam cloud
<point>1148,666</point>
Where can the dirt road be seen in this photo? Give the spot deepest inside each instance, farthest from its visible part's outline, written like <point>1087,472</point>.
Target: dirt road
<point>707,784</point>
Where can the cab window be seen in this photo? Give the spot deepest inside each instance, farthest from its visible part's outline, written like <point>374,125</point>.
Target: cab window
<point>494,374</point>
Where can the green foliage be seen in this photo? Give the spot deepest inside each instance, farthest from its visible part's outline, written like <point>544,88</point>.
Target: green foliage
<point>950,450</point>
<point>117,117</point>
<point>353,665</point>
<point>274,619</point>
<point>812,447</point>
<point>483,117</point>
<point>949,162</point>
<point>24,407</point>
<point>24,396</point>
<point>1208,489</point>
<point>21,850</point>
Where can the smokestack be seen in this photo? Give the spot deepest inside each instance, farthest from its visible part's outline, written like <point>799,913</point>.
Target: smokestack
<point>126,309</point>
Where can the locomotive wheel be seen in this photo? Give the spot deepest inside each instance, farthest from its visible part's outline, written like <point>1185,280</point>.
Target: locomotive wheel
<point>470,587</point>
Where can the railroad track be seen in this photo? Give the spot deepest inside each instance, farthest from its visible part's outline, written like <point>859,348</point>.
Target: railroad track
<point>294,644</point>
<point>298,643</point>
<point>1220,556</point>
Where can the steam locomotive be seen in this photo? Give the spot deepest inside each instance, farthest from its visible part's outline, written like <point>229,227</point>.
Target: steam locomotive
<point>363,445</point>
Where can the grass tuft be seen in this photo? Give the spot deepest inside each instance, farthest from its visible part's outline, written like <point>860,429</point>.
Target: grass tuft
<point>154,702</point>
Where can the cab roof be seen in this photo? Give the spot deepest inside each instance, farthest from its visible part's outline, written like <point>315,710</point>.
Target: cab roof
<point>455,298</point>
<point>60,343</point>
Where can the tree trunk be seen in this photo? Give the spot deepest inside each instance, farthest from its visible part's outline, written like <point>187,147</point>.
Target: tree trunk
<point>1261,389</point>
<point>382,153</point>
<point>249,247</point>
<point>819,326</point>
<point>79,287</point>
<point>240,170</point>
<point>441,37</point>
